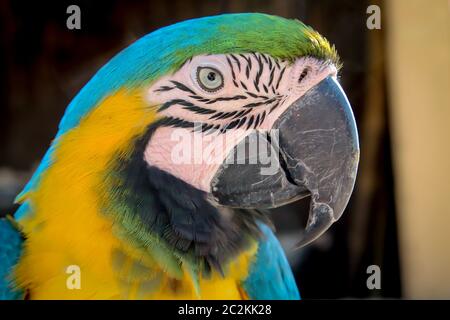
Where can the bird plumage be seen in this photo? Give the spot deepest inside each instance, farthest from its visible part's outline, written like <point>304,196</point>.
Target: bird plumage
<point>136,231</point>
<point>11,242</point>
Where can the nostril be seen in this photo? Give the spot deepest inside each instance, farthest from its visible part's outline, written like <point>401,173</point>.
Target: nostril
<point>303,74</point>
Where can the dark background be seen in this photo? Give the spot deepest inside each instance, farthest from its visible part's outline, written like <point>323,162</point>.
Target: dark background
<point>43,65</point>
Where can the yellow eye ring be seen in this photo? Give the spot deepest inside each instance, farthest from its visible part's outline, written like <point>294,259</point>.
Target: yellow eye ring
<point>209,79</point>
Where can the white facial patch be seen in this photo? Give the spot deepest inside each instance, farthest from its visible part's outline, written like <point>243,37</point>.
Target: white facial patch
<point>214,101</point>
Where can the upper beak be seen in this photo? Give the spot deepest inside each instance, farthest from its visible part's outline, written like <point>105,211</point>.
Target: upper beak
<point>319,142</point>
<point>318,152</point>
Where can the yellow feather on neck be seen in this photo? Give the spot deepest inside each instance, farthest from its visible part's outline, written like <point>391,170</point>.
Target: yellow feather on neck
<point>66,226</point>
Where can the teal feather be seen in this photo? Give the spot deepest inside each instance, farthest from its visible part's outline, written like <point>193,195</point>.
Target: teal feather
<point>270,276</point>
<point>10,251</point>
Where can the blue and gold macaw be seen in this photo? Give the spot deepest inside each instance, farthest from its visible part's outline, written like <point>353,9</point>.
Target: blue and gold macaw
<point>146,193</point>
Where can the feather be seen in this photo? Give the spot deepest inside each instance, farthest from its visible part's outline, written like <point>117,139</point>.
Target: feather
<point>270,276</point>
<point>10,250</point>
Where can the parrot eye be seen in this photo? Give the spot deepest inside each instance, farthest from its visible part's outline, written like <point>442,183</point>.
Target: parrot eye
<point>209,79</point>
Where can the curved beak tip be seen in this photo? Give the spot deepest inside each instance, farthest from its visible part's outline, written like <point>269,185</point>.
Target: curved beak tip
<point>320,219</point>
<point>324,152</point>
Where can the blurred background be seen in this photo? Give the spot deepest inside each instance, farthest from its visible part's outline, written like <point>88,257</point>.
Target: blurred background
<point>396,78</point>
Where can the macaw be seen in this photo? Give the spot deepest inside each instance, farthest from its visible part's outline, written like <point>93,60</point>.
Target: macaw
<point>123,201</point>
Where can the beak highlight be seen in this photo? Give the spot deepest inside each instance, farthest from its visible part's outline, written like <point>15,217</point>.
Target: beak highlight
<point>317,153</point>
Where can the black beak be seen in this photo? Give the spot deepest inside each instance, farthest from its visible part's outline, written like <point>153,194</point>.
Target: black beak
<point>316,149</point>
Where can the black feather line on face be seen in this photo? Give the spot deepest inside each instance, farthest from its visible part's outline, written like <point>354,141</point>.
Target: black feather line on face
<point>271,77</point>
<point>280,77</point>
<point>237,61</point>
<point>260,103</point>
<point>164,88</point>
<point>238,97</point>
<point>277,64</point>
<point>173,102</point>
<point>182,87</point>
<point>251,94</point>
<point>241,122</point>
<point>255,85</point>
<point>256,122</point>
<point>231,68</point>
<point>273,90</point>
<point>230,125</point>
<point>176,123</point>
<point>241,113</point>
<point>263,116</point>
<point>266,60</point>
<point>226,115</point>
<point>250,122</point>
<point>249,65</point>
<point>199,110</point>
<point>274,106</point>
<point>214,116</point>
<point>177,213</point>
<point>259,72</point>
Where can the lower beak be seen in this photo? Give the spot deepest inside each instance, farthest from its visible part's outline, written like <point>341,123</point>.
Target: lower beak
<point>317,150</point>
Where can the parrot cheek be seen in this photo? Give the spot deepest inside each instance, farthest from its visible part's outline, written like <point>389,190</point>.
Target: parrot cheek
<point>193,157</point>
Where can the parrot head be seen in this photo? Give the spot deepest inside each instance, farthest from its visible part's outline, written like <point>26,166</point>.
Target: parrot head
<point>256,132</point>
<point>270,84</point>
<point>249,115</point>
